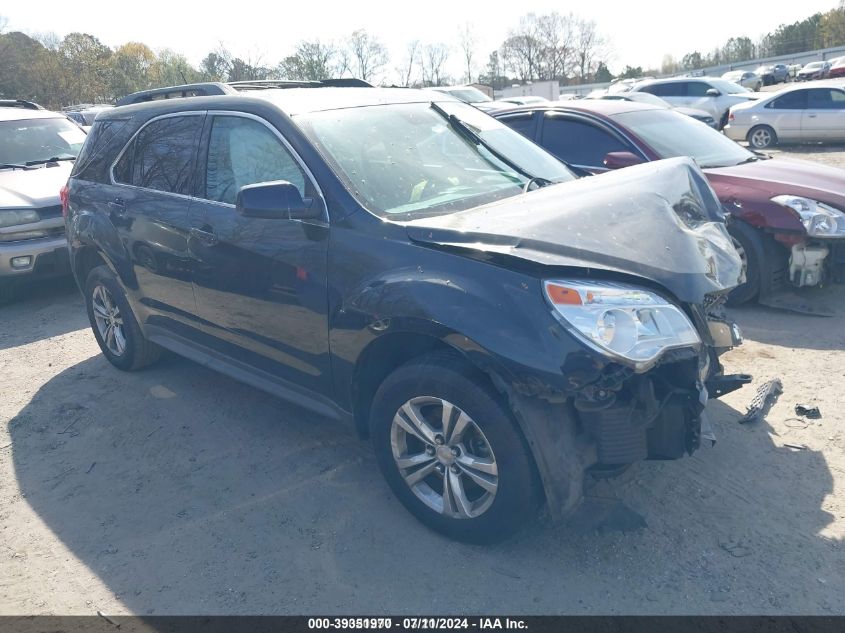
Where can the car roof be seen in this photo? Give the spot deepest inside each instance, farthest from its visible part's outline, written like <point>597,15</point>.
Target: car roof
<point>22,114</point>
<point>650,82</point>
<point>292,101</point>
<point>603,107</point>
<point>830,83</point>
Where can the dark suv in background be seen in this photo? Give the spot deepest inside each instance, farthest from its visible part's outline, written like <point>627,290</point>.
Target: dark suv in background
<point>398,259</point>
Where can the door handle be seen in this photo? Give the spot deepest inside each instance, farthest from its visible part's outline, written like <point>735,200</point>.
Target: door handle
<point>811,116</point>
<point>118,207</point>
<point>208,238</point>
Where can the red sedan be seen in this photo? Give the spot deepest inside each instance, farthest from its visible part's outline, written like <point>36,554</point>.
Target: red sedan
<point>787,216</point>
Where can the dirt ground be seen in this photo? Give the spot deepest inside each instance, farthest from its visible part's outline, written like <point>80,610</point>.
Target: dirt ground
<point>179,491</point>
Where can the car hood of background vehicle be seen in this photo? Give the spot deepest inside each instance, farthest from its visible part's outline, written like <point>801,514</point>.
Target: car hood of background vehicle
<point>778,176</point>
<point>33,188</point>
<point>660,221</point>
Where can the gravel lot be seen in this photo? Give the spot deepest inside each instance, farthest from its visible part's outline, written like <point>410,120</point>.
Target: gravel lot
<point>179,491</point>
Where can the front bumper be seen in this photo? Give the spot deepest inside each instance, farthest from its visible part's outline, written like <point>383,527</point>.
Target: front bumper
<point>39,258</point>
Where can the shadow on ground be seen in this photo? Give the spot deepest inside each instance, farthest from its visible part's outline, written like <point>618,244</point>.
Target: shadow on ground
<point>35,304</point>
<point>789,329</point>
<point>186,493</point>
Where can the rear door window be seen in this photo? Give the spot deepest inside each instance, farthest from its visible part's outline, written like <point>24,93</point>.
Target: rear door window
<point>161,156</point>
<point>579,142</point>
<point>794,100</point>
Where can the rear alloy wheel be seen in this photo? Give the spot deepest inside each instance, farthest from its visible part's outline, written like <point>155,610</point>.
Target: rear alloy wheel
<point>108,320</point>
<point>114,326</point>
<point>451,451</point>
<point>761,137</point>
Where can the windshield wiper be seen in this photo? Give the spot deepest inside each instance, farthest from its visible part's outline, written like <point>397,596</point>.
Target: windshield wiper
<point>464,130</point>
<point>54,159</point>
<point>12,166</point>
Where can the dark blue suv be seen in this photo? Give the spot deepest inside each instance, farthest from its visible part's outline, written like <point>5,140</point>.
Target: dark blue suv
<point>398,259</point>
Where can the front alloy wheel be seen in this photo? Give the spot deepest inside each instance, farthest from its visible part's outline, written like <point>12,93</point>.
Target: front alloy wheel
<point>451,451</point>
<point>444,457</point>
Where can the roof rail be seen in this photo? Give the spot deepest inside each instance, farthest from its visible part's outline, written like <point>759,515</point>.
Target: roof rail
<point>218,88</point>
<point>175,92</point>
<point>19,103</point>
<point>264,84</point>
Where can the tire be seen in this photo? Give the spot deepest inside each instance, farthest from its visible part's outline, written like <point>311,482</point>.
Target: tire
<point>417,391</point>
<point>108,309</point>
<point>761,137</point>
<point>748,245</point>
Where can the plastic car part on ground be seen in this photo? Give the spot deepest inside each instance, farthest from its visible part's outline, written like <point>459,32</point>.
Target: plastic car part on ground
<point>767,395</point>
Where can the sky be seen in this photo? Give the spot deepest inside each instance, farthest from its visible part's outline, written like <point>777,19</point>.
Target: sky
<point>640,33</point>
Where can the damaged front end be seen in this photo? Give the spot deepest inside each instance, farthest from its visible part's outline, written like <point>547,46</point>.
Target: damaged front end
<point>637,271</point>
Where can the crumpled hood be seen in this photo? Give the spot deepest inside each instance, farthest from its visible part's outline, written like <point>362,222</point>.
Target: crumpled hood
<point>660,221</point>
<point>33,188</point>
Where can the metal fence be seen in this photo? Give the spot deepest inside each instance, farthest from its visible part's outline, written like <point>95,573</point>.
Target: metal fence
<point>716,71</point>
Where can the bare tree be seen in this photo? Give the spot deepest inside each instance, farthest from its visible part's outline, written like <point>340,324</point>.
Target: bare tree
<point>406,70</point>
<point>467,41</point>
<point>311,60</point>
<point>521,51</point>
<point>367,54</point>
<point>433,59</point>
<point>589,45</point>
<point>555,34</point>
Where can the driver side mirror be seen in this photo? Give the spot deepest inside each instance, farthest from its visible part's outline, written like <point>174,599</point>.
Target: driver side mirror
<point>712,92</point>
<point>277,200</point>
<point>620,160</point>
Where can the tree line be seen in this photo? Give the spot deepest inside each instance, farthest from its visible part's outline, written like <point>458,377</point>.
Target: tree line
<point>79,68</point>
<point>820,30</point>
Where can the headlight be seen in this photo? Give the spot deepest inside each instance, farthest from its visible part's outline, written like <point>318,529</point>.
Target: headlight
<point>18,216</point>
<point>630,324</point>
<point>818,218</point>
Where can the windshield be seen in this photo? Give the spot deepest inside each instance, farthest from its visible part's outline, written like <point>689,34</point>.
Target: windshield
<point>671,134</point>
<point>813,65</point>
<point>406,160</point>
<point>728,87</point>
<point>30,141</point>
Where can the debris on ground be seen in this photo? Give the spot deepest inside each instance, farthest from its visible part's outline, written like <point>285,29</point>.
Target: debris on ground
<point>766,396</point>
<point>808,411</point>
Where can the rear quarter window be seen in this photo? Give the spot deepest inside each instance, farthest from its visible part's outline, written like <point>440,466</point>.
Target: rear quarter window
<point>105,139</point>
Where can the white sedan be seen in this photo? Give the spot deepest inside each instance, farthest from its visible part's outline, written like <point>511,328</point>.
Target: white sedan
<point>796,114</point>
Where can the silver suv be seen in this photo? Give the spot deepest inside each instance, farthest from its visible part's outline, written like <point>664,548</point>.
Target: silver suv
<point>37,150</point>
<point>714,96</point>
